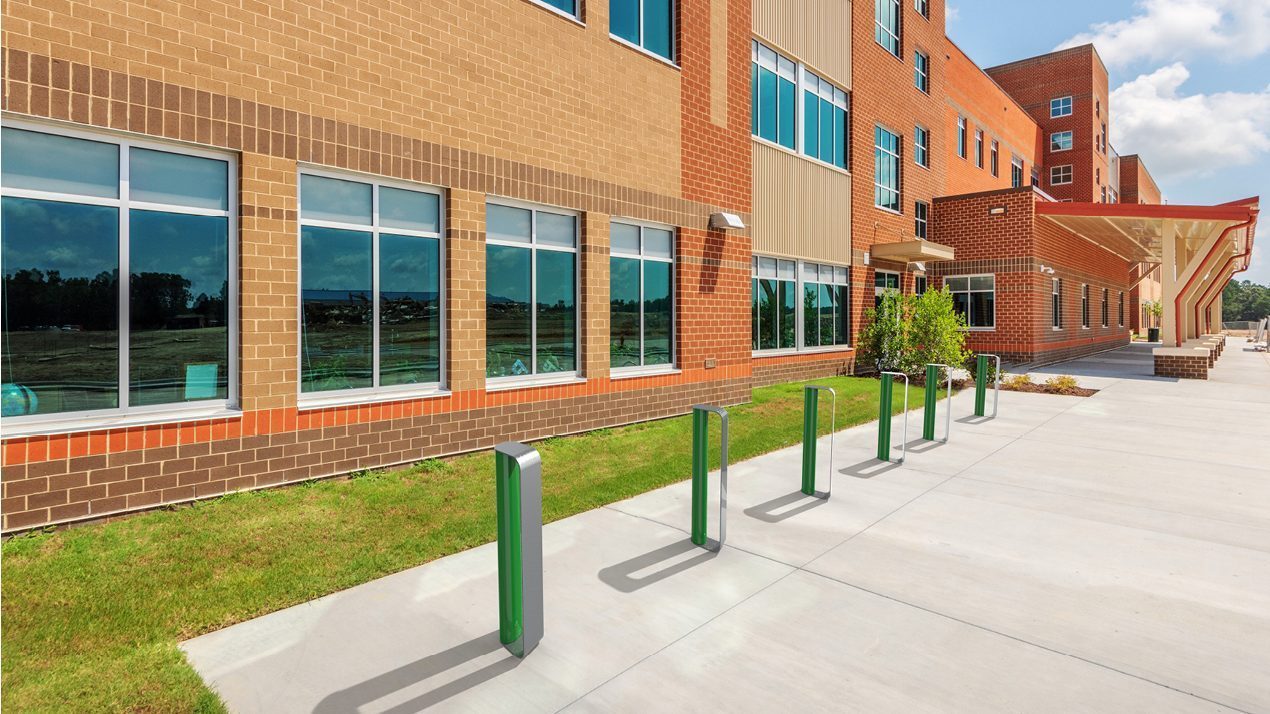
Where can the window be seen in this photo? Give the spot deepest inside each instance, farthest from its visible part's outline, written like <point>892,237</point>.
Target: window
<point>1036,176</point>
<point>1104,194</point>
<point>1097,107</point>
<point>773,90</point>
<point>566,7</point>
<point>1016,171</point>
<point>1084,306</point>
<point>922,7</point>
<point>961,137</point>
<point>1097,176</point>
<point>370,285</point>
<point>1060,107</point>
<point>824,121</point>
<point>1060,175</point>
<point>921,146</point>
<point>1056,303</point>
<point>1120,310</point>
<point>974,296</point>
<point>1102,139</point>
<point>774,304</point>
<point>996,158</point>
<point>825,305</point>
<point>1104,307</point>
<point>921,214</point>
<point>921,71</point>
<point>887,25</point>
<point>886,169</point>
<point>531,291</point>
<point>883,281</point>
<point>1061,141</point>
<point>919,284</point>
<point>649,24</point>
<point>641,295</point>
<point>119,288</point>
<point>979,148</point>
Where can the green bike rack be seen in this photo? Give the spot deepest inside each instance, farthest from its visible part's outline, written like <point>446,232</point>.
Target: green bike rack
<point>981,384</point>
<point>932,395</point>
<point>884,417</point>
<point>701,471</point>
<point>811,417</point>
<point>518,480</point>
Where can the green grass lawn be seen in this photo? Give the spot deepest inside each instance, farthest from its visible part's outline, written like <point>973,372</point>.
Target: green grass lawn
<point>93,615</point>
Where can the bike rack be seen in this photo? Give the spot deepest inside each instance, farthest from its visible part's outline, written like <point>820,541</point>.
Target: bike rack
<point>929,410</point>
<point>518,480</point>
<point>701,471</point>
<point>884,417</point>
<point>811,416</point>
<point>981,384</point>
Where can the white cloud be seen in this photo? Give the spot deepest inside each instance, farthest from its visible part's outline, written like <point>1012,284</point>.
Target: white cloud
<point>1192,135</point>
<point>951,14</point>
<point>1165,30</point>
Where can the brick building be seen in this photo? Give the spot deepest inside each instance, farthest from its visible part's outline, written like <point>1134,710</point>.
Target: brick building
<point>1137,186</point>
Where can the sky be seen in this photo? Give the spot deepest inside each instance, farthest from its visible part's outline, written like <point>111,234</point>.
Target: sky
<point>1190,84</point>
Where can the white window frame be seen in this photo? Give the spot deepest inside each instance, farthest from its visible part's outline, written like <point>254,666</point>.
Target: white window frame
<point>805,79</point>
<point>1056,303</point>
<point>894,34</point>
<point>124,414</point>
<point>962,140</point>
<point>922,7</point>
<point>577,10</point>
<point>979,148</point>
<point>995,160</point>
<point>1061,107</point>
<point>643,257</point>
<point>842,276</point>
<point>1016,162</point>
<point>672,60</point>
<point>968,291</point>
<point>921,71</point>
<point>1057,138</point>
<point>899,175</point>
<point>1084,306</point>
<point>1061,175</point>
<point>375,392</point>
<point>878,292</point>
<point>533,246</point>
<point>921,219</point>
<point>921,146</point>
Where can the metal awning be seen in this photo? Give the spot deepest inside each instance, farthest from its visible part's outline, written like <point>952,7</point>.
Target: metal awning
<point>911,251</point>
<point>1135,231</point>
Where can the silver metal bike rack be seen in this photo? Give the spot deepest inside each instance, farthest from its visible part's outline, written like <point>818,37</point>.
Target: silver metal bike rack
<point>811,419</point>
<point>518,475</point>
<point>884,421</point>
<point>947,403</point>
<point>981,363</point>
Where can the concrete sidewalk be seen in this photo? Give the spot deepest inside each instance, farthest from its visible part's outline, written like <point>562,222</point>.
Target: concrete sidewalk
<point>1100,554</point>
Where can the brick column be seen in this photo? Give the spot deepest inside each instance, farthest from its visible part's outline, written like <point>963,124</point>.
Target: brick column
<point>465,290</point>
<point>594,295</point>
<point>268,260</point>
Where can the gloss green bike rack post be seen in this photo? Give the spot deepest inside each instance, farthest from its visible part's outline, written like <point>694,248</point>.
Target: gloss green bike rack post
<point>701,472</point>
<point>884,417</point>
<point>811,418</point>
<point>518,480</point>
<point>981,385</point>
<point>932,395</point>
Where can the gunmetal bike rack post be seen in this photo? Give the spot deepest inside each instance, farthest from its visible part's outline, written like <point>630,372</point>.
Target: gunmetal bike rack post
<point>701,472</point>
<point>981,384</point>
<point>932,395</point>
<point>518,478</point>
<point>811,417</point>
<point>884,417</point>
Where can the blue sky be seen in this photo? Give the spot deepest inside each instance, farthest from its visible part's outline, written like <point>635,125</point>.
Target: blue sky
<point>1190,83</point>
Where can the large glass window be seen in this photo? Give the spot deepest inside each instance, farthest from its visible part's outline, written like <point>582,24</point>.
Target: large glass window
<point>883,281</point>
<point>887,25</point>
<point>645,23</point>
<point>1061,141</point>
<point>773,90</point>
<point>641,296</point>
<point>921,71</point>
<point>531,293</point>
<point>774,304</point>
<point>370,284</point>
<point>825,305</point>
<point>974,296</point>
<point>1060,107</point>
<point>886,169</point>
<point>824,121</point>
<point>921,146</point>
<point>118,285</point>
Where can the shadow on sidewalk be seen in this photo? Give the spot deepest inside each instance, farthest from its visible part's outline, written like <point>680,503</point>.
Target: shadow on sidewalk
<point>768,510</point>
<point>621,577</point>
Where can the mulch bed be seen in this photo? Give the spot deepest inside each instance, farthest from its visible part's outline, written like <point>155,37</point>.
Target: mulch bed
<point>1042,389</point>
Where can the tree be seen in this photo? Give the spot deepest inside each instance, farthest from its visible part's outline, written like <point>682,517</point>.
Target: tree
<point>1244,300</point>
<point>905,333</point>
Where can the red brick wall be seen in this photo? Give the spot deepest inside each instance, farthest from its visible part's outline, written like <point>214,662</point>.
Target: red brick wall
<point>1136,183</point>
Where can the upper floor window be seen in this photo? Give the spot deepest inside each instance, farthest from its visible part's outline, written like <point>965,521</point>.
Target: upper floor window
<point>921,146</point>
<point>1056,303</point>
<point>979,148</point>
<point>887,24</point>
<point>119,281</point>
<point>370,284</point>
<point>774,96</point>
<point>649,24</point>
<point>531,290</point>
<point>1060,107</point>
<point>1061,141</point>
<point>961,137</point>
<point>921,71</point>
<point>1097,107</point>
<point>824,121</point>
<point>1105,295</point>
<point>1120,311</point>
<point>1084,305</point>
<point>886,169</point>
<point>1102,139</point>
<point>641,295</point>
<point>995,159</point>
<point>975,297</point>
<point>921,218</point>
<point>566,7</point>
<point>1036,175</point>
<point>922,7</point>
<point>1016,171</point>
<point>1060,175</point>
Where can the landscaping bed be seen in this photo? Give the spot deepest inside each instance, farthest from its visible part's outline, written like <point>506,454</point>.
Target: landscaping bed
<point>1062,384</point>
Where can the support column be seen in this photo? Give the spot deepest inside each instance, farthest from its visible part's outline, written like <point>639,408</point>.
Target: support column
<point>1168,282</point>
<point>465,290</point>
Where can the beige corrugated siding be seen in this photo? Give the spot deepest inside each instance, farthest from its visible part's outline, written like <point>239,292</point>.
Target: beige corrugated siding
<point>801,209</point>
<point>817,32</point>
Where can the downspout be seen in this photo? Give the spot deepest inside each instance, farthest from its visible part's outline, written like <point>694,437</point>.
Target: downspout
<point>1206,299</point>
<point>1177,299</point>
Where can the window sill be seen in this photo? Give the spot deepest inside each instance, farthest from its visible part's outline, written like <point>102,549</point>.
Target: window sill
<point>634,372</point>
<point>351,398</point>
<point>503,384</point>
<point>788,352</point>
<point>557,11</point>
<point>800,155</point>
<point>647,53</point>
<point>17,430</point>
<point>884,209</point>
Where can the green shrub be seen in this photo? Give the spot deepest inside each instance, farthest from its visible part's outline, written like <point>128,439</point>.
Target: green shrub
<point>1061,384</point>
<point>1017,381</point>
<point>905,333</point>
